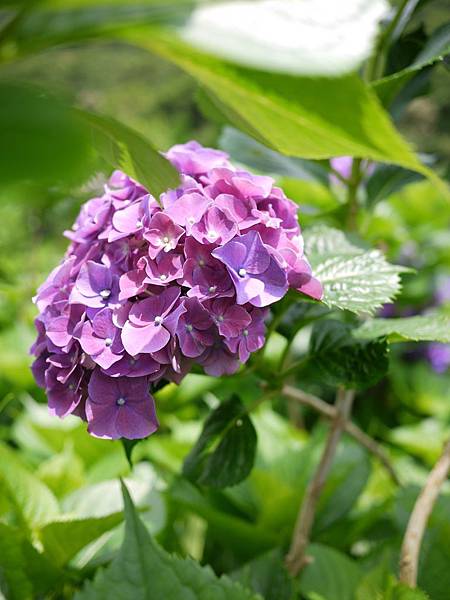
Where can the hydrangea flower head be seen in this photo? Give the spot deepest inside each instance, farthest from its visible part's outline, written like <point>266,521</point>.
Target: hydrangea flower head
<point>148,288</point>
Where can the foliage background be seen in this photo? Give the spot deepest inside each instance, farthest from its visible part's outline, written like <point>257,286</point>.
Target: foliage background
<point>362,515</point>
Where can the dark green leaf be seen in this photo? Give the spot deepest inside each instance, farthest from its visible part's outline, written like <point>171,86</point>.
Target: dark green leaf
<point>14,582</point>
<point>340,359</point>
<point>123,148</point>
<point>434,327</point>
<point>268,576</point>
<point>225,451</point>
<point>331,574</point>
<point>353,278</point>
<point>386,180</point>
<point>144,571</point>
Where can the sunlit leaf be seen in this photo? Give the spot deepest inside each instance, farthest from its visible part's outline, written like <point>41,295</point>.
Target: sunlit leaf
<point>434,327</point>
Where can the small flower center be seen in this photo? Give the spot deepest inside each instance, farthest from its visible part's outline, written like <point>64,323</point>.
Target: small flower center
<point>165,239</point>
<point>221,318</point>
<point>189,328</point>
<point>201,262</point>
<point>138,224</point>
<point>212,235</point>
<point>105,294</point>
<point>163,277</point>
<point>108,342</point>
<point>158,320</point>
<point>120,401</point>
<point>245,333</point>
<point>242,272</point>
<point>71,387</point>
<point>212,289</point>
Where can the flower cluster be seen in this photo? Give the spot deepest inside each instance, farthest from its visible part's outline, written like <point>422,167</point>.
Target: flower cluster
<point>148,288</point>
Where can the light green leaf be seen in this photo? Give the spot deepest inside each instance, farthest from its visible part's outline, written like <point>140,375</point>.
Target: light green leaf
<point>225,451</point>
<point>400,591</point>
<point>331,574</point>
<point>307,37</point>
<point>126,149</point>
<point>433,328</point>
<point>298,116</point>
<point>64,538</point>
<point>144,571</point>
<point>33,501</point>
<point>14,582</point>
<point>353,278</point>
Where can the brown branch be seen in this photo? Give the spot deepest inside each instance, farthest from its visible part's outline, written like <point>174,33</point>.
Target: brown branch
<point>409,556</point>
<point>358,434</point>
<point>296,558</point>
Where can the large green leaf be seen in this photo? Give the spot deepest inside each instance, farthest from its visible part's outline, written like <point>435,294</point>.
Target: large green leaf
<point>121,147</point>
<point>144,571</point>
<point>331,575</point>
<point>434,327</point>
<point>267,575</point>
<point>319,37</point>
<point>339,359</point>
<point>225,451</point>
<point>353,278</point>
<point>297,116</point>
<point>62,539</point>
<point>33,502</point>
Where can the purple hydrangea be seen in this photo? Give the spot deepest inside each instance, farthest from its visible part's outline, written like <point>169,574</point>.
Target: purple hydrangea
<point>148,288</point>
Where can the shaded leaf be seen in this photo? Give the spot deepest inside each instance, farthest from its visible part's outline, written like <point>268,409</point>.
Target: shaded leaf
<point>434,328</point>
<point>331,574</point>
<point>268,576</point>
<point>14,582</point>
<point>353,278</point>
<point>386,180</point>
<point>143,570</point>
<point>339,359</point>
<point>225,451</point>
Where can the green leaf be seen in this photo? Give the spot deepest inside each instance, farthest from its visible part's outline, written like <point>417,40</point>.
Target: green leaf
<point>331,574</point>
<point>298,116</point>
<point>353,278</point>
<point>245,150</point>
<point>144,571</point>
<point>297,39</point>
<point>386,180</point>
<point>41,139</point>
<point>339,359</point>
<point>63,539</point>
<point>268,576</point>
<point>225,451</point>
<point>33,502</point>
<point>14,582</point>
<point>400,591</point>
<point>126,149</point>
<point>435,50</point>
<point>433,328</point>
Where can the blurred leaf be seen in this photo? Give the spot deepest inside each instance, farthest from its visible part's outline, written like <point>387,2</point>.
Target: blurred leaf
<point>331,574</point>
<point>62,472</point>
<point>225,451</point>
<point>144,570</point>
<point>14,582</point>
<point>353,278</point>
<point>386,180</point>
<point>400,591</point>
<point>267,575</point>
<point>424,438</point>
<point>308,38</point>
<point>375,582</point>
<point>128,150</point>
<point>435,50</point>
<point>63,539</point>
<point>433,327</point>
<point>33,501</point>
<point>41,139</point>
<point>340,359</point>
<point>245,150</point>
<point>297,116</point>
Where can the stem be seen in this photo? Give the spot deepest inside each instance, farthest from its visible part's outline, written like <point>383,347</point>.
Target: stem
<point>409,557</point>
<point>296,558</point>
<point>349,427</point>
